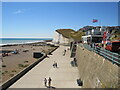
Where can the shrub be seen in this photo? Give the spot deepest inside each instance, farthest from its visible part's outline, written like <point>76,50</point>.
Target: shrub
<point>26,61</point>
<point>6,71</point>
<point>13,70</point>
<point>20,65</point>
<point>3,73</point>
<point>26,65</point>
<point>11,75</point>
<point>23,66</point>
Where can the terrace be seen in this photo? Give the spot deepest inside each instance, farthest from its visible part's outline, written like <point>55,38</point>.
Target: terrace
<point>111,56</point>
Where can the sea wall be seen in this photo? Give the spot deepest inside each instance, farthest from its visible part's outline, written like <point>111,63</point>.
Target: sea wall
<point>95,71</point>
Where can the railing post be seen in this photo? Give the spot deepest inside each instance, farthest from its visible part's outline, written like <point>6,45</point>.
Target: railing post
<point>113,59</point>
<point>111,56</point>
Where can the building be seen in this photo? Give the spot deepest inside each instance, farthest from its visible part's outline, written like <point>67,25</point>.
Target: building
<point>92,38</point>
<point>93,34</point>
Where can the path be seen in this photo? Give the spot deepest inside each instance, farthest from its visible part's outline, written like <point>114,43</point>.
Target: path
<point>62,77</point>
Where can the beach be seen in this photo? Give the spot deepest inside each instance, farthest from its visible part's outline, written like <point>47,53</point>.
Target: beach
<point>14,63</point>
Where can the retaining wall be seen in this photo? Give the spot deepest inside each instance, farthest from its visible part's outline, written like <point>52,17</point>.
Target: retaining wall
<point>95,71</point>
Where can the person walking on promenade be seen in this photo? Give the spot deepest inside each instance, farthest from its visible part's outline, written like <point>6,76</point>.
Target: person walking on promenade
<point>45,82</point>
<point>64,52</point>
<point>55,64</point>
<point>49,82</point>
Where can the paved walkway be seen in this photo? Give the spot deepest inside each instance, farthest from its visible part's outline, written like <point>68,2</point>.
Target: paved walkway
<point>62,77</point>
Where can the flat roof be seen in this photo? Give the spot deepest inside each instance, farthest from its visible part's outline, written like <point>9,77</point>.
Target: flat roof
<point>93,36</point>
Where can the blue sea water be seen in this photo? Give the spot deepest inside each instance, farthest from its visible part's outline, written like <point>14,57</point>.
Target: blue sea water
<point>4,41</point>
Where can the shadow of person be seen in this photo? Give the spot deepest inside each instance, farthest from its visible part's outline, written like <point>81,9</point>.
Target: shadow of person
<point>57,67</point>
<point>51,87</point>
<point>50,54</point>
<point>48,57</point>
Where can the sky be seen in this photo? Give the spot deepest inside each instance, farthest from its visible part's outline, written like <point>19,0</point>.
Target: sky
<point>41,19</point>
<point>60,0</point>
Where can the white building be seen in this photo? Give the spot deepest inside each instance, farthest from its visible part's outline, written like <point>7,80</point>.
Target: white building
<point>94,34</point>
<point>92,38</point>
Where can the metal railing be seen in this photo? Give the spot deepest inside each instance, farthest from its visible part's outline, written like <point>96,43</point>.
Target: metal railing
<point>113,57</point>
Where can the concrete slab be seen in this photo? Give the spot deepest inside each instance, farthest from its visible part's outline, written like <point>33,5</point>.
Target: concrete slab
<point>64,76</point>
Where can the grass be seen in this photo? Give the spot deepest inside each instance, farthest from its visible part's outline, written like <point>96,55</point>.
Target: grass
<point>26,65</point>
<point>22,65</point>
<point>65,32</point>
<point>6,71</point>
<point>13,70</point>
<point>26,61</point>
<point>3,73</point>
<point>11,74</point>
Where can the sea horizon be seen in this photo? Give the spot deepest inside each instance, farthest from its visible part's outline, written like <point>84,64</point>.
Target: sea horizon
<point>6,41</point>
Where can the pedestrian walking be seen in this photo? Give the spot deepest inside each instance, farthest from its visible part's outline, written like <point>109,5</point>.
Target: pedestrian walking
<point>45,82</point>
<point>64,52</point>
<point>56,64</point>
<point>49,82</point>
<point>53,65</point>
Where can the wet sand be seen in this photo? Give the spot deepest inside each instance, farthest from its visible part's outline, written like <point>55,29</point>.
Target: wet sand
<point>14,63</point>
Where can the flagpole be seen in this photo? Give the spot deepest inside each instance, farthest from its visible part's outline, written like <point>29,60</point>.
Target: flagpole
<point>100,22</point>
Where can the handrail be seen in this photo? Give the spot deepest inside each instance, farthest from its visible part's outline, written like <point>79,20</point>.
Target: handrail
<point>114,57</point>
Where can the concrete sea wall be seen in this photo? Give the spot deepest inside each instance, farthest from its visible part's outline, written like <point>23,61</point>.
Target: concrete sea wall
<point>95,71</point>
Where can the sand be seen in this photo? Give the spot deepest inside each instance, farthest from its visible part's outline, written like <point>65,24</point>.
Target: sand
<point>14,63</point>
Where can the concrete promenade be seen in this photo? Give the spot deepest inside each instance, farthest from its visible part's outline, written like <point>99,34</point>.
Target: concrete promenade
<point>62,77</point>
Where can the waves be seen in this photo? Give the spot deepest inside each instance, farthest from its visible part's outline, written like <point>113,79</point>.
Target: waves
<point>9,41</point>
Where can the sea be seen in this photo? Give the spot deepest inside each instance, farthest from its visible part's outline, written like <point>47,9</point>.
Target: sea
<point>10,41</point>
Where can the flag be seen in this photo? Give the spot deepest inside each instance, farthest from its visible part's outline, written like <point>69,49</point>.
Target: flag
<point>95,20</point>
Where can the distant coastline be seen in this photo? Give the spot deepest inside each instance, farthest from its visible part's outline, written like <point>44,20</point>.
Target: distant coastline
<point>12,41</point>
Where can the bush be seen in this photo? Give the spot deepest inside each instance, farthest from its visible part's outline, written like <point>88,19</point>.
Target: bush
<point>3,73</point>
<point>11,75</point>
<point>26,65</point>
<point>20,65</point>
<point>23,66</point>
<point>26,61</point>
<point>6,71</point>
<point>13,70</point>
